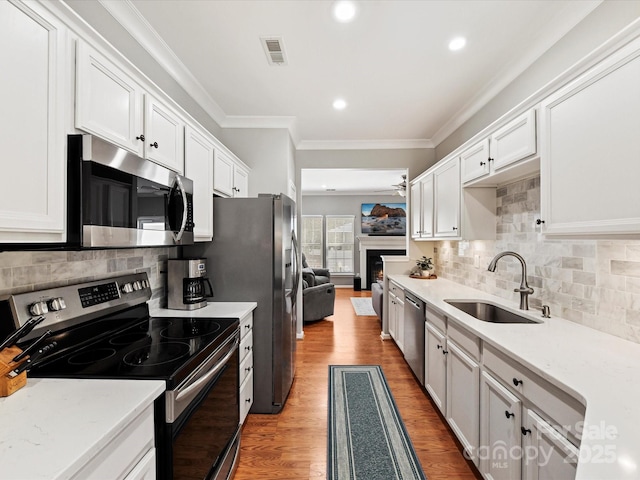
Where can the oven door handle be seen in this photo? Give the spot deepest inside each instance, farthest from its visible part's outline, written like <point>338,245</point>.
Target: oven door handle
<point>185,209</point>
<point>210,374</point>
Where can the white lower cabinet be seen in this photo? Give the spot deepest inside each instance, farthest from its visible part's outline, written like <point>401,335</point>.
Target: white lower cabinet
<point>500,436</point>
<point>548,454</point>
<point>435,376</point>
<point>463,396</point>
<point>130,455</point>
<point>395,312</point>
<point>246,366</point>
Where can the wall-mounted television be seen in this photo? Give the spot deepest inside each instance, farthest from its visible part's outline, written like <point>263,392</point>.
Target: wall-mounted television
<point>384,218</point>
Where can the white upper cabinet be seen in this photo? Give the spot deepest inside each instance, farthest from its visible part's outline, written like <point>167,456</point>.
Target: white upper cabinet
<point>198,156</point>
<point>475,161</point>
<point>108,101</point>
<point>590,150</point>
<point>446,188</point>
<point>230,177</point>
<point>506,154</point>
<point>32,134</point>
<point>223,174</point>
<point>513,142</point>
<point>422,208</point>
<point>164,135</point>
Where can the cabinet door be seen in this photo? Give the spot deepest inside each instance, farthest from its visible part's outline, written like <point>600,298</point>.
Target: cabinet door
<point>435,366</point>
<point>164,135</point>
<point>590,147</point>
<point>446,186</point>
<point>108,101</point>
<point>393,317</point>
<point>514,141</point>
<point>463,394</point>
<point>416,209</point>
<point>427,207</point>
<point>548,454</point>
<point>223,174</point>
<point>199,168</point>
<point>145,468</point>
<point>400,324</point>
<point>32,133</point>
<point>240,182</point>
<point>500,435</point>
<point>475,161</point>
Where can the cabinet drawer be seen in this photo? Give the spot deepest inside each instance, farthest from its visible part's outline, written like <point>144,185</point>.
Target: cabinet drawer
<point>246,397</point>
<point>246,347</point>
<point>565,412</point>
<point>246,325</point>
<point>397,290</point>
<point>464,339</point>
<point>436,319</point>
<point>246,367</point>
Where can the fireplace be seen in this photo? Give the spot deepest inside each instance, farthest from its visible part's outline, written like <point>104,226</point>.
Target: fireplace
<point>375,266</point>
<point>383,245</point>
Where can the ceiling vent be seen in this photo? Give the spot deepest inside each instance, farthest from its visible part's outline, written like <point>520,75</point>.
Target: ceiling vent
<point>274,48</point>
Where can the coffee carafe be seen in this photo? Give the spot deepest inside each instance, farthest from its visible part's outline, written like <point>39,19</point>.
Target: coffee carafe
<point>188,285</point>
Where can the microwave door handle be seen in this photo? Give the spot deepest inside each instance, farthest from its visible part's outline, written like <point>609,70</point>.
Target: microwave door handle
<point>178,236</point>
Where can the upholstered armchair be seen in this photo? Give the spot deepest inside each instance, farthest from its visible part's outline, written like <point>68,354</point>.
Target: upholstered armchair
<point>314,276</point>
<point>317,301</point>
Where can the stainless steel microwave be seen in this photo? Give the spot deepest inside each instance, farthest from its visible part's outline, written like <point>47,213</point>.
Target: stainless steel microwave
<point>117,199</point>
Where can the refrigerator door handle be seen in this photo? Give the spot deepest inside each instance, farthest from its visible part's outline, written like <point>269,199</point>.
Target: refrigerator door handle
<point>295,273</point>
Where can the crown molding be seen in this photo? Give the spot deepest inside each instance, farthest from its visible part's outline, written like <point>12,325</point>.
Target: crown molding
<point>364,144</point>
<point>127,15</point>
<point>507,75</point>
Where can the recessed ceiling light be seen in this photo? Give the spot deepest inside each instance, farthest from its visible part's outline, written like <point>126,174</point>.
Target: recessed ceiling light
<point>339,104</point>
<point>457,43</point>
<point>344,11</point>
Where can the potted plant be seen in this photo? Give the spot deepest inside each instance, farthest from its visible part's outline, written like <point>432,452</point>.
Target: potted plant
<point>426,266</point>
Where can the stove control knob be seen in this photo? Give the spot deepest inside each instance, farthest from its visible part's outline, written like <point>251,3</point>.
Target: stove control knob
<point>38,308</point>
<point>127,288</point>
<point>56,304</point>
<point>137,285</point>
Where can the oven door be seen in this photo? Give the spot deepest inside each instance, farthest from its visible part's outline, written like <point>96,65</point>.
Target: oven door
<point>201,433</point>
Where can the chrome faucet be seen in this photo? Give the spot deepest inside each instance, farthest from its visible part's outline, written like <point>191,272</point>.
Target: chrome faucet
<point>525,290</point>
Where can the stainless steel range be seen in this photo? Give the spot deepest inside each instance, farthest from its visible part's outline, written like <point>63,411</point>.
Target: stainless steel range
<point>103,329</point>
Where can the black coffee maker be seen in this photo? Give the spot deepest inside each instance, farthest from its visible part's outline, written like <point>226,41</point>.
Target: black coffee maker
<point>188,285</point>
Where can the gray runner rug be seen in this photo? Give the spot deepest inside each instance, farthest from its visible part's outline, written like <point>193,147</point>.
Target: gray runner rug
<point>366,437</point>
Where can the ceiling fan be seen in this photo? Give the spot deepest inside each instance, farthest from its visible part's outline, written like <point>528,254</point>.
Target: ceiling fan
<point>398,188</point>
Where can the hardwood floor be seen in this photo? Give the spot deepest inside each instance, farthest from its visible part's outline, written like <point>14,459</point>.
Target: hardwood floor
<point>292,444</point>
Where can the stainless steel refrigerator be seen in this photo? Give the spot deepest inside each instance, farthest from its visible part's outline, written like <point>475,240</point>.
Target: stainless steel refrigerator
<point>253,257</point>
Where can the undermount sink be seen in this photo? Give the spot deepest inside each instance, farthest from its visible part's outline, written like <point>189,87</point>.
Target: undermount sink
<point>488,312</point>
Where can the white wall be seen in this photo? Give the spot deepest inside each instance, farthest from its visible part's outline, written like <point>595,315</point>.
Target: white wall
<point>267,152</point>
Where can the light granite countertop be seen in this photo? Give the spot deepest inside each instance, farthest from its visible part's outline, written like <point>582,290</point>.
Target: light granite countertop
<point>212,310</point>
<point>598,369</point>
<point>52,427</point>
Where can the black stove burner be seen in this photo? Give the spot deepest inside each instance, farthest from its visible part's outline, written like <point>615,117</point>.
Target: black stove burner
<point>156,354</point>
<point>192,328</point>
<point>127,338</point>
<point>91,356</point>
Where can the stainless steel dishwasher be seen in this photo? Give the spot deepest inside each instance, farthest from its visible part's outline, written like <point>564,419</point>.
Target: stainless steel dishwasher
<point>414,334</point>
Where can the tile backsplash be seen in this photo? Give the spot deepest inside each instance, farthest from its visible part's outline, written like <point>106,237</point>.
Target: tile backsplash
<point>38,270</point>
<point>592,282</point>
